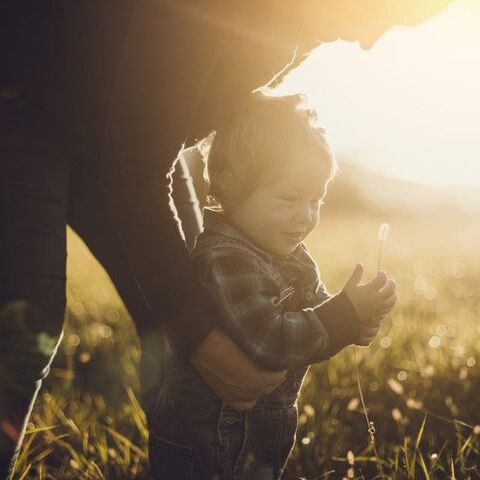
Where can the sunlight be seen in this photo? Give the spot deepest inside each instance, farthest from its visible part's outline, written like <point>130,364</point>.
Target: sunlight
<point>410,106</point>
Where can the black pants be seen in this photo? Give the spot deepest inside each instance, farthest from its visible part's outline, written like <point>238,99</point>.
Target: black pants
<point>110,184</point>
<point>42,188</point>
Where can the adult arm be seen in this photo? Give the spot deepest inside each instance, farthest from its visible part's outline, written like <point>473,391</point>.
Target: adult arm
<point>160,79</point>
<point>234,377</point>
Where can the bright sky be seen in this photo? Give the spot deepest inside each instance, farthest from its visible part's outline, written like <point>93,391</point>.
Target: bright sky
<point>410,106</point>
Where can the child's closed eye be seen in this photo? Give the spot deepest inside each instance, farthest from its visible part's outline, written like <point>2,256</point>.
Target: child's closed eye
<point>288,198</point>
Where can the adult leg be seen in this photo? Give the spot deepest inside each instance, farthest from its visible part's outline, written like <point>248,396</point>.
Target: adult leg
<point>89,216</point>
<point>161,79</point>
<point>33,197</point>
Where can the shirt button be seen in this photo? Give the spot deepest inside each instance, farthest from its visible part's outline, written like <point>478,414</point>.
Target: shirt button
<point>309,296</point>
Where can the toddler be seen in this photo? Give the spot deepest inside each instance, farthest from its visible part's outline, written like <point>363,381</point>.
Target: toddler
<point>268,170</point>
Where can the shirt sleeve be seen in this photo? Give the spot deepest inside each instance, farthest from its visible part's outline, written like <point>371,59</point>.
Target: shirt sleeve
<point>253,315</point>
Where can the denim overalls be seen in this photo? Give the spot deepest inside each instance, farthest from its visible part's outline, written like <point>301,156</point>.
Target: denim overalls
<point>193,435</point>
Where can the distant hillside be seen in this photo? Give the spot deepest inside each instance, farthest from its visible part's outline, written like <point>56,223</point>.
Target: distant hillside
<point>360,191</point>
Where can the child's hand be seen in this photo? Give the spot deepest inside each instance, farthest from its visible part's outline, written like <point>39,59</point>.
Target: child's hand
<point>373,299</point>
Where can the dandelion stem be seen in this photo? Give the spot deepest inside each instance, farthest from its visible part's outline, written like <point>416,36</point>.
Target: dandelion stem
<point>382,237</point>
<point>370,424</point>
<point>380,256</point>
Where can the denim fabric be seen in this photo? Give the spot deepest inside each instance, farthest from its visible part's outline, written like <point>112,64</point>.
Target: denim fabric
<point>171,460</point>
<point>193,435</point>
<point>186,415</point>
<point>216,441</point>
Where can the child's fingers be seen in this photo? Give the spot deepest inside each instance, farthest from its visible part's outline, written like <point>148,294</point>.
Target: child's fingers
<point>385,311</point>
<point>388,289</point>
<point>390,302</point>
<point>355,277</point>
<point>379,281</point>
<point>382,307</point>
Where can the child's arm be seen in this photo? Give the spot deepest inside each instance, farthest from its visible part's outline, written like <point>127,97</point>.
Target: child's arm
<point>253,316</point>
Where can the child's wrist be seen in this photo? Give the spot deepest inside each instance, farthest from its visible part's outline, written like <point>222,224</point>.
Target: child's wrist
<point>340,320</point>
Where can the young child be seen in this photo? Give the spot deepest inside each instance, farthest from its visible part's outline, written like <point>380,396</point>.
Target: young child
<point>268,171</point>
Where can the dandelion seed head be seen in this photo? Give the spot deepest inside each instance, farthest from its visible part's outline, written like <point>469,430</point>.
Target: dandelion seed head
<point>383,232</point>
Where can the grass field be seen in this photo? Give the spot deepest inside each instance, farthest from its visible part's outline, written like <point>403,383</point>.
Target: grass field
<point>420,377</point>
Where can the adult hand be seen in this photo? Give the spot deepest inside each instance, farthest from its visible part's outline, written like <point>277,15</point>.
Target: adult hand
<point>231,374</point>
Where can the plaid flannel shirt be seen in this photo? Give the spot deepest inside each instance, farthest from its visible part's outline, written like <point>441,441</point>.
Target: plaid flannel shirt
<point>275,309</point>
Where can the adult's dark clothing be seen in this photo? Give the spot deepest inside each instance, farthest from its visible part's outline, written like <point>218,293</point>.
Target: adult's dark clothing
<point>105,92</point>
<point>146,65</point>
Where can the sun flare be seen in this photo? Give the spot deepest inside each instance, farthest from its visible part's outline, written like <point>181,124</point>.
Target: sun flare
<point>410,106</point>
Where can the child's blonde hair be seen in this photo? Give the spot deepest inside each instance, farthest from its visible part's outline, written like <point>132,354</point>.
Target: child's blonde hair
<point>265,133</point>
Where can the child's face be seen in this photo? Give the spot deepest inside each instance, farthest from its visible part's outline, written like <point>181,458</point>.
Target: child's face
<point>281,212</point>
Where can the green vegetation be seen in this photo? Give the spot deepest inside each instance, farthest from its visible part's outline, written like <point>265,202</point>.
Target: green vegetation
<point>420,377</point>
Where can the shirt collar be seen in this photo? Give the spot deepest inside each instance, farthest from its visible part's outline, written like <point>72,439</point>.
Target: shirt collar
<point>214,220</point>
